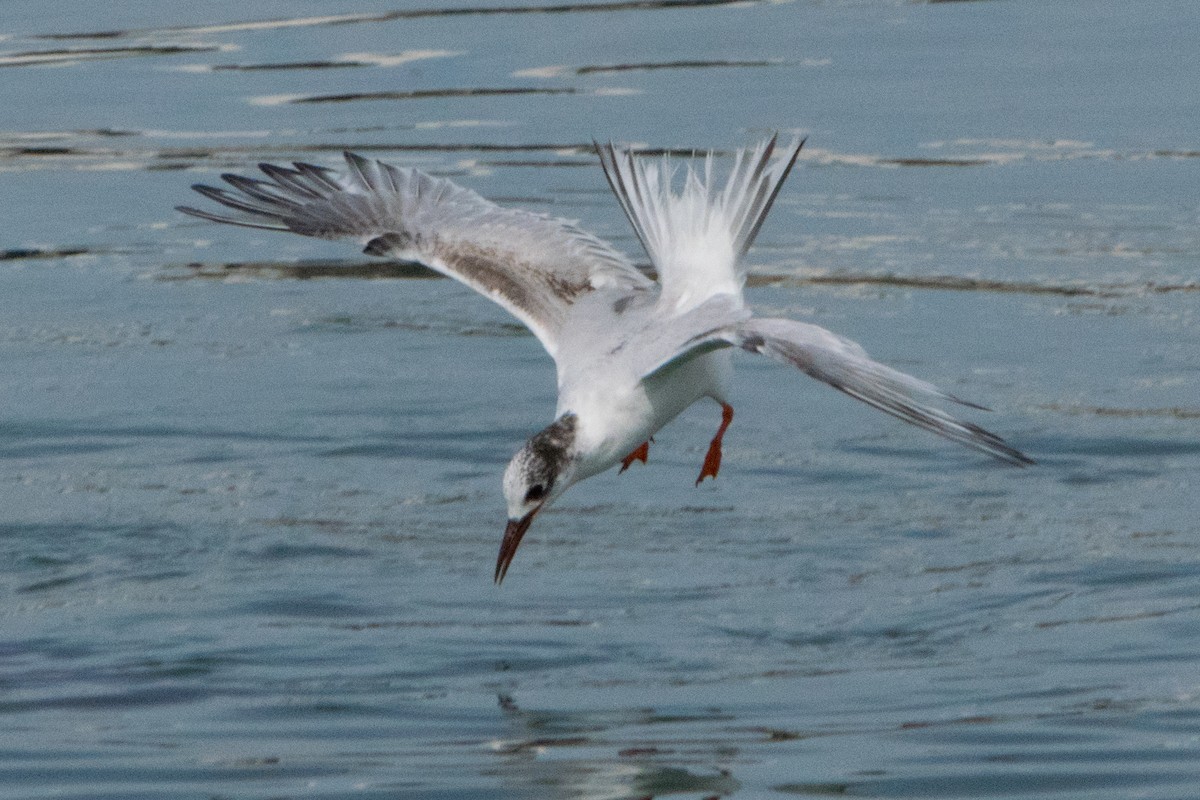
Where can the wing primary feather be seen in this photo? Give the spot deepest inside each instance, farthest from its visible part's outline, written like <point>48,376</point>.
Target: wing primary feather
<point>290,180</point>
<point>774,188</point>
<point>608,163</point>
<point>320,176</point>
<point>226,199</point>
<point>358,169</point>
<point>241,223</point>
<point>393,177</point>
<point>967,403</point>
<point>745,184</point>
<point>846,367</point>
<point>964,433</point>
<point>623,180</point>
<point>255,189</point>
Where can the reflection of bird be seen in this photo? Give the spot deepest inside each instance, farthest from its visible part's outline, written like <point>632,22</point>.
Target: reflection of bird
<point>631,353</point>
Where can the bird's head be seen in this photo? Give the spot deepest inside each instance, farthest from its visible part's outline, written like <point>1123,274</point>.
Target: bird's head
<point>540,471</point>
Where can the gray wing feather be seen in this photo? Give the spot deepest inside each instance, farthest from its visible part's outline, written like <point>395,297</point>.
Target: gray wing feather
<point>845,366</point>
<point>533,265</point>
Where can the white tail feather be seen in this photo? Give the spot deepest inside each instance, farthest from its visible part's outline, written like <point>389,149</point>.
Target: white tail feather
<point>697,237</point>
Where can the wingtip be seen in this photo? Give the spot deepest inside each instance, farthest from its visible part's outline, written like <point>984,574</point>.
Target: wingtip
<point>793,147</point>
<point>967,403</point>
<point>606,150</point>
<point>1021,460</point>
<point>211,192</point>
<point>207,216</point>
<point>304,166</point>
<point>603,152</point>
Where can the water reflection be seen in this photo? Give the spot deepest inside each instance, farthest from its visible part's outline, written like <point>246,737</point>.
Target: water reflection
<point>590,755</point>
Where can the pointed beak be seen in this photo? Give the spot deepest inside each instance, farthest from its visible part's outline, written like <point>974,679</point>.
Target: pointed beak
<point>512,540</point>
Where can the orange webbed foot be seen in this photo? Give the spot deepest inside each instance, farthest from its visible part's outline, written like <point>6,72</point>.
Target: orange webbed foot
<point>640,453</point>
<point>712,459</point>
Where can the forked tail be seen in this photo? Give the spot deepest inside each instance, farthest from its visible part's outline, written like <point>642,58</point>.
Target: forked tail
<point>697,237</point>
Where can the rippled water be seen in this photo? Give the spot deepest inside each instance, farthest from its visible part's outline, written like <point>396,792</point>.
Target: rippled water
<point>251,483</point>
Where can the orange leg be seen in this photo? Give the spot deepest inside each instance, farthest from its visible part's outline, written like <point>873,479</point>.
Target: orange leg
<point>712,461</point>
<point>640,453</point>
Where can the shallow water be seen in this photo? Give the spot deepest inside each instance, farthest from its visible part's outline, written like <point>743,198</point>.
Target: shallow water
<point>251,482</point>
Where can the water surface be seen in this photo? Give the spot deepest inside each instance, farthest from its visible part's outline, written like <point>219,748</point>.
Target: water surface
<point>251,483</point>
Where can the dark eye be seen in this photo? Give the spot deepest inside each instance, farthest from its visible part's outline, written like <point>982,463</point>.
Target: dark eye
<point>536,492</point>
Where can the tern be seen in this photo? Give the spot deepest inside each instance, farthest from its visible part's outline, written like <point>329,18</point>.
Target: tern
<point>631,353</point>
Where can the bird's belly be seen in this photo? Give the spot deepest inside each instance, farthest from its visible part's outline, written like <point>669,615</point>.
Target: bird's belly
<point>625,419</point>
<point>670,394</point>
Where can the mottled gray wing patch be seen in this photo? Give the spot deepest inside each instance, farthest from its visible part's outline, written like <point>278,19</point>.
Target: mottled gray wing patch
<point>541,294</point>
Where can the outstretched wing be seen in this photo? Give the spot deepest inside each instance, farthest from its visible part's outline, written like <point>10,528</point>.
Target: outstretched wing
<point>533,265</point>
<point>697,237</point>
<point>845,366</point>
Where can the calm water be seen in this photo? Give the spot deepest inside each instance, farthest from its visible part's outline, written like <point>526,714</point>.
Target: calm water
<point>250,484</point>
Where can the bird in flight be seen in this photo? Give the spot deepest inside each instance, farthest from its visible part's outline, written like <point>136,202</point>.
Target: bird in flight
<point>632,353</point>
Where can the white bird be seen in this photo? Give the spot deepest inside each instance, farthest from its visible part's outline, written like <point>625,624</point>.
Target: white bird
<point>631,353</point>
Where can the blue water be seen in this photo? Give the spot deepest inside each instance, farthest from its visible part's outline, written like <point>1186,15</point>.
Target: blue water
<point>250,484</point>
